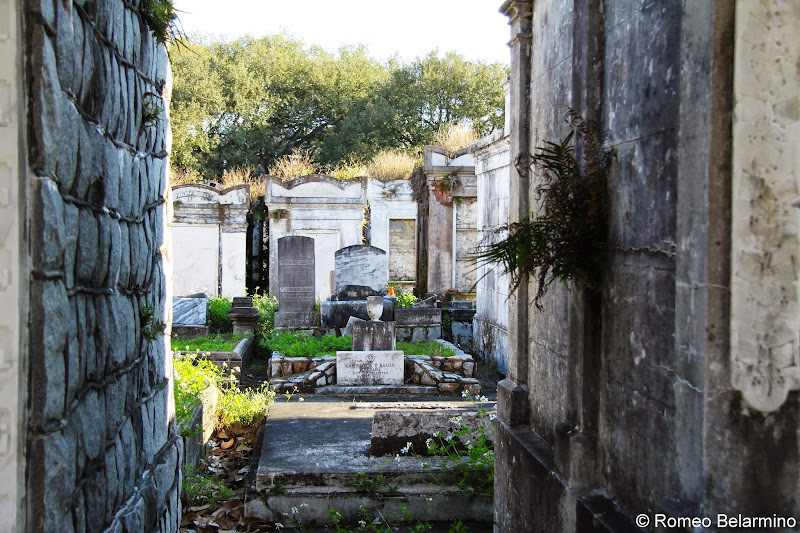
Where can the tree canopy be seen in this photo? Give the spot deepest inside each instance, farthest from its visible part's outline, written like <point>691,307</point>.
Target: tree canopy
<point>251,101</point>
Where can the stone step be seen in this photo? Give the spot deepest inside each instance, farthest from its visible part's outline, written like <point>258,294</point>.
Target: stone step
<point>313,456</point>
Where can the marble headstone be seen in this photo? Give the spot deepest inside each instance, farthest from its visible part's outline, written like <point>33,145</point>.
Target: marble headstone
<point>296,273</point>
<point>189,311</point>
<point>361,266</point>
<point>296,291</point>
<point>369,368</point>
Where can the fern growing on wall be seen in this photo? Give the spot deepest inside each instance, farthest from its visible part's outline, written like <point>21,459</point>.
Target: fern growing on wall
<point>565,238</point>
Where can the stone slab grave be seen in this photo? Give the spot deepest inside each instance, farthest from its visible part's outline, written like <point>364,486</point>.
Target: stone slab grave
<point>296,290</point>
<point>418,324</point>
<point>315,454</point>
<point>189,316</point>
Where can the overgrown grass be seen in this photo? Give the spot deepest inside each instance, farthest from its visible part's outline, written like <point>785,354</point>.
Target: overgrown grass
<point>390,165</point>
<point>223,342</point>
<point>454,137</point>
<point>219,321</point>
<point>245,408</point>
<point>349,170</point>
<point>193,375</point>
<point>200,489</point>
<point>298,163</point>
<point>292,345</point>
<point>425,348</point>
<point>244,176</point>
<point>183,177</point>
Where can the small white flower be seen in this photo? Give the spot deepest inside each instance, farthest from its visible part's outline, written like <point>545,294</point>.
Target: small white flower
<point>302,399</point>
<point>492,416</point>
<point>362,523</point>
<point>406,448</point>
<point>464,394</point>
<point>303,505</point>
<point>295,510</point>
<point>429,443</point>
<point>428,499</point>
<point>438,434</point>
<point>483,399</point>
<point>278,525</point>
<point>456,420</point>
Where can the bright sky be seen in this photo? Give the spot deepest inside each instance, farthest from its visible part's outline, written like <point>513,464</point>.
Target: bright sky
<point>412,28</point>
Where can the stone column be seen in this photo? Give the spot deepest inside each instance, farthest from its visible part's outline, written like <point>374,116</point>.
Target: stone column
<point>512,400</point>
<point>12,294</point>
<point>243,315</point>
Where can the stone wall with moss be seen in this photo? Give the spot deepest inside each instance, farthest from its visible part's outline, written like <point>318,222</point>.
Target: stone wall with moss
<point>102,452</point>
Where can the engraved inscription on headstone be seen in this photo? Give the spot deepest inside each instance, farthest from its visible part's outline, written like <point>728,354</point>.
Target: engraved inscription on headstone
<point>369,368</point>
<point>296,273</point>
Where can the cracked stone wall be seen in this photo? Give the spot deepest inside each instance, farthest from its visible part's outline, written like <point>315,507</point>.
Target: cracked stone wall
<point>639,399</point>
<point>102,452</point>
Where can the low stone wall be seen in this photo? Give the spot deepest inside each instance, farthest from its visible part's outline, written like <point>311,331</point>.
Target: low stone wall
<point>451,375</point>
<point>305,373</point>
<point>203,421</point>
<point>239,357</point>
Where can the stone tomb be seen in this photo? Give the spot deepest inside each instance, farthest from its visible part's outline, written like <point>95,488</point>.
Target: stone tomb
<point>361,271</point>
<point>369,368</point>
<point>189,319</point>
<point>295,282</point>
<point>209,239</point>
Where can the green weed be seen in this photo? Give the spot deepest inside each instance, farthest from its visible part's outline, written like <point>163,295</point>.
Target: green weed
<point>219,321</point>
<point>200,489</point>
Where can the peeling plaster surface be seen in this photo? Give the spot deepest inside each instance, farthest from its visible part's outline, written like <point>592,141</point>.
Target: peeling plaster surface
<point>765,299</point>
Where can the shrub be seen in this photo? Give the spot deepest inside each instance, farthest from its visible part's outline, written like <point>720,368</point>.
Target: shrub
<point>193,375</point>
<point>266,306</point>
<point>219,321</point>
<point>405,298</point>
<point>566,238</point>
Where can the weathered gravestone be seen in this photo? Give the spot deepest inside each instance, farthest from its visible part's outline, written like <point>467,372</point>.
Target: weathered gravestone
<point>373,334</point>
<point>295,282</point>
<point>360,271</point>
